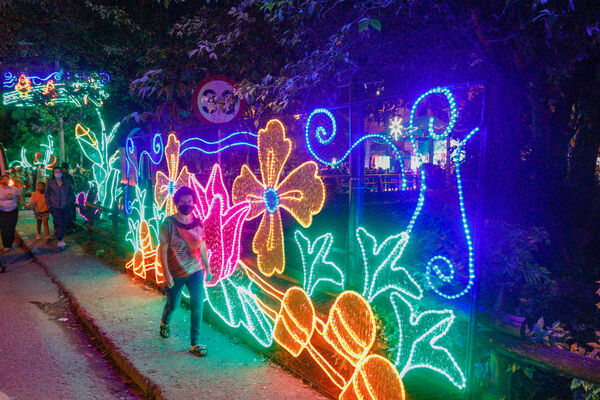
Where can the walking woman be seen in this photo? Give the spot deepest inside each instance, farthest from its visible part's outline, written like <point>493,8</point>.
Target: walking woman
<point>9,214</point>
<point>58,198</point>
<point>182,246</point>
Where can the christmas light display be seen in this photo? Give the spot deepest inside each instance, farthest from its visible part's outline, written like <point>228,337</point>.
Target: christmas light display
<point>295,321</point>
<point>433,263</point>
<point>222,224</point>
<point>56,88</point>
<point>48,162</point>
<point>301,193</point>
<point>316,269</point>
<point>204,146</point>
<point>320,132</point>
<point>106,175</point>
<point>351,328</point>
<point>374,378</point>
<point>243,296</point>
<point>23,86</point>
<point>166,186</point>
<point>145,259</point>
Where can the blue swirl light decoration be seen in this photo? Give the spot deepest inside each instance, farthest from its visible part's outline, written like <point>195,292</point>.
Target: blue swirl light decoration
<point>9,80</point>
<point>434,262</point>
<point>321,133</point>
<point>158,149</point>
<point>192,144</point>
<point>437,262</point>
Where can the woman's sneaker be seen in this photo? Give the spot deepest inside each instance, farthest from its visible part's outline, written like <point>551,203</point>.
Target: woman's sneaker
<point>61,244</point>
<point>198,350</point>
<point>165,331</point>
<point>38,237</point>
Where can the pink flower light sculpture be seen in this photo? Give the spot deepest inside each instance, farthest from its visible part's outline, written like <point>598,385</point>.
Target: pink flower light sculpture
<point>222,222</point>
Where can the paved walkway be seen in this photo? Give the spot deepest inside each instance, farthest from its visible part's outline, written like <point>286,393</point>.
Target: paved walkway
<point>44,353</point>
<point>126,314</point>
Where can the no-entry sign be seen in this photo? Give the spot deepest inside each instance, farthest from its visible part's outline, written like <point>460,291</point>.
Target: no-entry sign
<point>215,101</point>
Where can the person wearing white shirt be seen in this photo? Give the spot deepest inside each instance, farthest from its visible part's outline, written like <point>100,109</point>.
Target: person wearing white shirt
<point>9,214</point>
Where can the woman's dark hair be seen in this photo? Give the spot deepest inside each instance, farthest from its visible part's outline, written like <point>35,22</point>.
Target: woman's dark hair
<point>41,183</point>
<point>184,191</point>
<point>56,167</point>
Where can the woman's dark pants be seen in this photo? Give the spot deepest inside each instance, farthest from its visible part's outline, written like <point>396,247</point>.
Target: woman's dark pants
<point>60,216</point>
<point>195,285</point>
<point>8,223</point>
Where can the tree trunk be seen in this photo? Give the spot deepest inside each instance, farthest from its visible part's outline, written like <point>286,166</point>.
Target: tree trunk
<point>61,139</point>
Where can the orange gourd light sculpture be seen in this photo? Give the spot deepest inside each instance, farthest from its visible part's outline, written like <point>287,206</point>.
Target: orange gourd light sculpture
<point>146,258</point>
<point>295,322</point>
<point>351,327</point>
<point>301,193</point>
<point>375,378</point>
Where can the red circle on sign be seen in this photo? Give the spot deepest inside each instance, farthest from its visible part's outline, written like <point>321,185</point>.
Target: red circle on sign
<point>215,101</point>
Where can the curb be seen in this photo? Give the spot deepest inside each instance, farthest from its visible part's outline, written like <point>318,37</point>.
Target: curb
<point>149,389</point>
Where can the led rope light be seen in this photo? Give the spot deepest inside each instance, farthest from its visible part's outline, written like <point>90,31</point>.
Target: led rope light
<point>320,132</point>
<point>316,269</point>
<point>453,112</point>
<point>106,174</point>
<point>425,329</point>
<point>375,377</point>
<point>189,144</point>
<point>432,263</point>
<point>166,186</point>
<point>301,193</point>
<point>223,224</point>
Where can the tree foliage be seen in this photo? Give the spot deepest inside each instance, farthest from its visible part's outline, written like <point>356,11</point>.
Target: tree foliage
<point>540,61</point>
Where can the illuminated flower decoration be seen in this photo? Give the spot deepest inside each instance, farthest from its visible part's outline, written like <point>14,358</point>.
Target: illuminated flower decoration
<point>301,193</point>
<point>166,186</point>
<point>222,224</point>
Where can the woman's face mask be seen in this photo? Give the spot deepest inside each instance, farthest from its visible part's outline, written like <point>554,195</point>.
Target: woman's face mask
<point>58,175</point>
<point>185,209</point>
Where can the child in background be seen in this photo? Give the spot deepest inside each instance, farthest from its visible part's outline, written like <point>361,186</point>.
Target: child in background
<point>37,203</point>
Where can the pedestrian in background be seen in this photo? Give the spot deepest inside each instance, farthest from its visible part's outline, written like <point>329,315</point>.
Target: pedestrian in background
<point>182,245</point>
<point>37,203</point>
<point>9,214</point>
<point>67,177</point>
<point>58,197</point>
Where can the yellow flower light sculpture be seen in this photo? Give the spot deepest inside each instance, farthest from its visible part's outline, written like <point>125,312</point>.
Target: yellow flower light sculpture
<point>166,186</point>
<point>301,193</point>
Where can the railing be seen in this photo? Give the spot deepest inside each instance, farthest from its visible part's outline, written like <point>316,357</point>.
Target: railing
<point>116,219</point>
<point>505,337</point>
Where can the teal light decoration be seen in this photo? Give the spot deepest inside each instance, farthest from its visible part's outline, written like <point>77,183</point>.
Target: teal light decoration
<point>315,264</point>
<point>382,272</point>
<point>233,301</point>
<point>418,341</point>
<point>106,175</point>
<point>419,333</point>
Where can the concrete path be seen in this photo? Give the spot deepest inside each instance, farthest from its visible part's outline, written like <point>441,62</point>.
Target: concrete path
<point>44,353</point>
<point>127,313</point>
